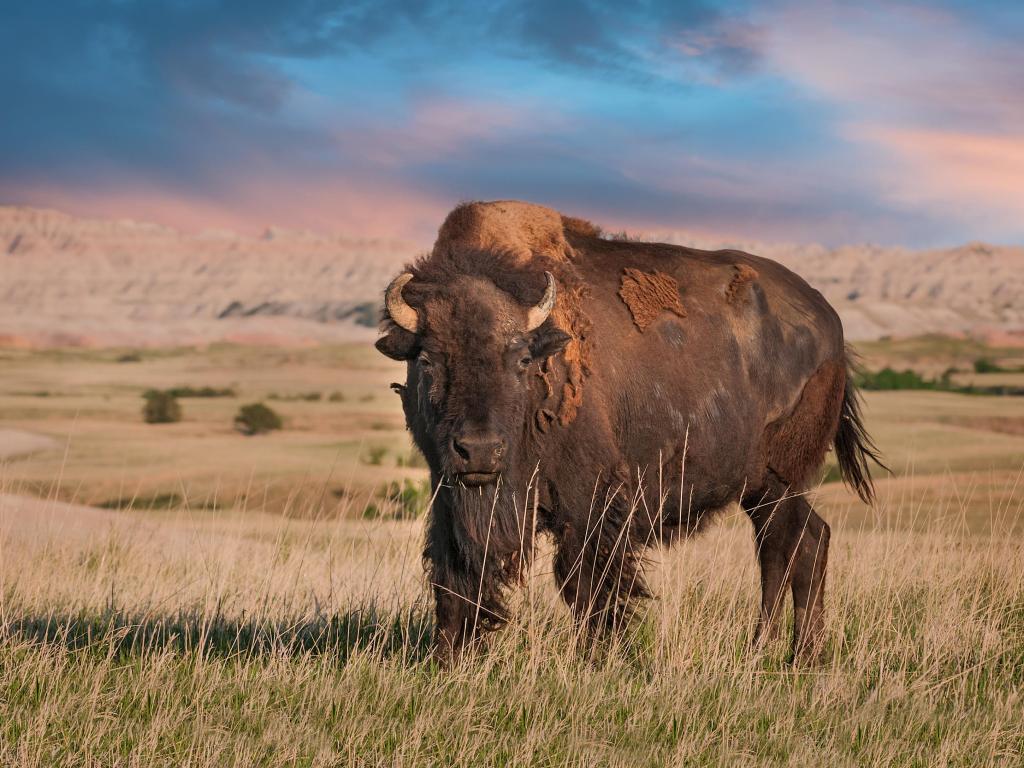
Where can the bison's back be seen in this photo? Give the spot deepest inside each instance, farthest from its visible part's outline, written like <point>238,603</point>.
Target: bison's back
<point>710,352</point>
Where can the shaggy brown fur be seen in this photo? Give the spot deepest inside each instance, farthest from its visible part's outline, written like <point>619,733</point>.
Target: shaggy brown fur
<point>509,226</point>
<point>648,294</point>
<point>797,444</point>
<point>607,439</point>
<point>528,233</point>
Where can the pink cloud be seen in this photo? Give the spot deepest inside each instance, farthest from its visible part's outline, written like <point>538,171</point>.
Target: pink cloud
<point>934,103</point>
<point>961,173</point>
<point>335,206</point>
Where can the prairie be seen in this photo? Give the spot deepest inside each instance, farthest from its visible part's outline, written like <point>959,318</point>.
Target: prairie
<point>233,602</point>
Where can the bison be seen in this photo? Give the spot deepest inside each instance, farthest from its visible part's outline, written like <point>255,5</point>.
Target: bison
<point>613,394</point>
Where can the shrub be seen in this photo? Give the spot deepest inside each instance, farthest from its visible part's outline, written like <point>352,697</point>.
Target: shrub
<point>130,357</point>
<point>413,459</point>
<point>195,392</point>
<point>375,455</point>
<point>984,365</point>
<point>309,397</point>
<point>336,397</point>
<point>405,500</point>
<point>256,419</point>
<point>887,379</point>
<point>161,408</point>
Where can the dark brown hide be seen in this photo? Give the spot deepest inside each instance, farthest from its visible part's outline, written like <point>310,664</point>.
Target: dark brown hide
<point>623,419</point>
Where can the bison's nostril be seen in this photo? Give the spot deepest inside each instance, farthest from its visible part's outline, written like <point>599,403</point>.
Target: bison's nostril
<point>460,449</point>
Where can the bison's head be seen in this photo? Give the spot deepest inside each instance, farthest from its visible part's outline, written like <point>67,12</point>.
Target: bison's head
<point>472,349</point>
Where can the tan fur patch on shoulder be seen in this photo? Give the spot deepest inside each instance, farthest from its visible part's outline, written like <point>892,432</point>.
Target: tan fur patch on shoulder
<point>648,294</point>
<point>743,276</point>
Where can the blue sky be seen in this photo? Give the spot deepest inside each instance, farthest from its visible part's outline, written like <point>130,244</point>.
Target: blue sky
<point>895,123</point>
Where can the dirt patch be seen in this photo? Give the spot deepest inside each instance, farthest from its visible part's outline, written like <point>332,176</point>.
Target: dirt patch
<point>648,294</point>
<point>15,442</point>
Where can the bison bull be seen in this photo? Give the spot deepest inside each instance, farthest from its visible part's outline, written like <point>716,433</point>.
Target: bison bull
<point>613,394</point>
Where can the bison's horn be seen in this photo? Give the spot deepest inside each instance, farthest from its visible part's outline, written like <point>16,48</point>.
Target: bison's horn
<point>539,313</point>
<point>403,315</point>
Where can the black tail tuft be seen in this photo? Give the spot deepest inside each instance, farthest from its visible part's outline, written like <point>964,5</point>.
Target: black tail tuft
<point>854,447</point>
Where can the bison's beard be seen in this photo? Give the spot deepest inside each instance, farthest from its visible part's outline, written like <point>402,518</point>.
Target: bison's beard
<point>494,517</point>
<point>479,541</point>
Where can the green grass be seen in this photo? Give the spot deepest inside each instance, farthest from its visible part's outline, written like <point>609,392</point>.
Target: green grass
<point>194,641</point>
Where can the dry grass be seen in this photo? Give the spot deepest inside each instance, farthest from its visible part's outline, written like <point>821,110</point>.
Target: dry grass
<point>205,639</point>
<point>194,636</point>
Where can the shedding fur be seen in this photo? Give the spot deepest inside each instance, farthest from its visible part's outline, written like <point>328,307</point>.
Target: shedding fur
<point>648,294</point>
<point>531,236</point>
<point>737,291</point>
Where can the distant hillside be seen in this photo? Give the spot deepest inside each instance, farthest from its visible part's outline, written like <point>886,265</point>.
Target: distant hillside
<point>69,281</point>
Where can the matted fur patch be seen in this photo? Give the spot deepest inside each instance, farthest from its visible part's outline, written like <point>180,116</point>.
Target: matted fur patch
<point>743,276</point>
<point>648,294</point>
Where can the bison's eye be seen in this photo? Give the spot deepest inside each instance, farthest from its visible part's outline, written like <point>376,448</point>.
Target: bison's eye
<point>425,362</point>
<point>524,362</point>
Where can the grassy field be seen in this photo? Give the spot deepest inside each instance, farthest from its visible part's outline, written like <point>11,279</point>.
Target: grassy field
<point>217,631</point>
<point>332,455</point>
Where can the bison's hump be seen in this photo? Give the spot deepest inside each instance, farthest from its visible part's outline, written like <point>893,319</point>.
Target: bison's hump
<point>509,226</point>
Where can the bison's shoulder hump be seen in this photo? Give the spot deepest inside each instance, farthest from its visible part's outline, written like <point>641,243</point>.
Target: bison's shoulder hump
<point>509,226</point>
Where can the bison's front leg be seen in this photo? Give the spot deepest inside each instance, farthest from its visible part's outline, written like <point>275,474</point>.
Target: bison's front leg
<point>598,565</point>
<point>467,587</point>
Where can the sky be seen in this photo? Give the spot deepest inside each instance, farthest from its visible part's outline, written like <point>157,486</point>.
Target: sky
<point>835,122</point>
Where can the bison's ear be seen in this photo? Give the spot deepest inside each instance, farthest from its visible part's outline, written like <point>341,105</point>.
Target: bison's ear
<point>548,341</point>
<point>398,344</point>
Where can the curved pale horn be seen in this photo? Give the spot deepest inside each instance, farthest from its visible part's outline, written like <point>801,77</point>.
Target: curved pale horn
<point>403,315</point>
<point>539,313</point>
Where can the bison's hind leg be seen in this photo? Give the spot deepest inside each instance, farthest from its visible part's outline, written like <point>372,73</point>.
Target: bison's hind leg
<point>792,550</point>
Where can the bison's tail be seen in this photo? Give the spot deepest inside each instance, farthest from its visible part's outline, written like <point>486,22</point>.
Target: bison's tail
<point>854,447</point>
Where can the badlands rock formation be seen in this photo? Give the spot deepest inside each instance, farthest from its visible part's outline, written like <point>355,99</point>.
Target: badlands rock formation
<point>81,282</point>
<point>66,281</point>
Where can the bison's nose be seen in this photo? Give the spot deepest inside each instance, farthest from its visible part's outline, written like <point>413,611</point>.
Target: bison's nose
<point>478,452</point>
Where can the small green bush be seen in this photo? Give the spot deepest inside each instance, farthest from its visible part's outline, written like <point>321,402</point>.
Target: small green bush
<point>161,408</point>
<point>309,397</point>
<point>985,365</point>
<point>256,419</point>
<point>413,459</point>
<point>405,500</point>
<point>375,455</point>
<point>336,397</point>
<point>889,379</point>
<point>194,392</point>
